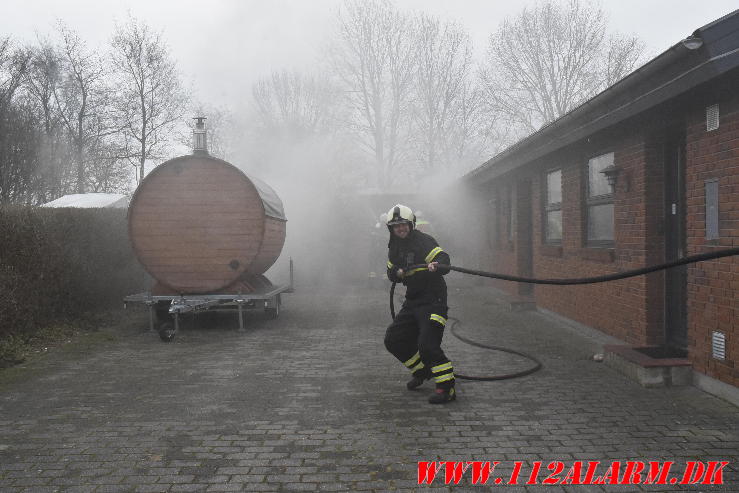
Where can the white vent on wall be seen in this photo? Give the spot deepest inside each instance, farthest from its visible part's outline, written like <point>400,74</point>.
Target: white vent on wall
<point>711,117</point>
<point>718,344</point>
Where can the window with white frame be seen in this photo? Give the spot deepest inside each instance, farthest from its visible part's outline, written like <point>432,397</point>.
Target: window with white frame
<point>553,207</point>
<point>599,202</point>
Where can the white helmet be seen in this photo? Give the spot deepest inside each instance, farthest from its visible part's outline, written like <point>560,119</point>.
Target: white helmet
<point>400,214</point>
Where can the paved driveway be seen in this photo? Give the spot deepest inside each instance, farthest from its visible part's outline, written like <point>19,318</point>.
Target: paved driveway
<point>312,402</point>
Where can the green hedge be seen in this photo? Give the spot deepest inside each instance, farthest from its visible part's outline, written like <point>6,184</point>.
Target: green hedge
<point>56,265</point>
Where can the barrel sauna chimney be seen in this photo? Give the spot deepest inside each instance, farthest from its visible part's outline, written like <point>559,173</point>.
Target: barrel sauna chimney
<point>199,225</point>
<point>200,137</point>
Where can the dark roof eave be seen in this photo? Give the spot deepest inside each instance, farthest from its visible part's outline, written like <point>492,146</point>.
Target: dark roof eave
<point>585,120</point>
<point>507,161</point>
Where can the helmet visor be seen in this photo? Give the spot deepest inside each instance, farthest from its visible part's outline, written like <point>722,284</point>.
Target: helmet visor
<point>398,220</point>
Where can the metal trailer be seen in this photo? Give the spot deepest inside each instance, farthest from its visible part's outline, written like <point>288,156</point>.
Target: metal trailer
<point>161,307</point>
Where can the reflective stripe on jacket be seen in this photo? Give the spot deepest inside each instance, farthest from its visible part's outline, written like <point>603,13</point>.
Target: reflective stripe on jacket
<point>422,286</point>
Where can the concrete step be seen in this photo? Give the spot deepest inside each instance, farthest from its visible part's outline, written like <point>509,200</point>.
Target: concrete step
<point>522,304</point>
<point>651,366</point>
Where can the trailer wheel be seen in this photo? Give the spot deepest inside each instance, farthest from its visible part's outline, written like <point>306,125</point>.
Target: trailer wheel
<point>166,332</point>
<point>273,313</point>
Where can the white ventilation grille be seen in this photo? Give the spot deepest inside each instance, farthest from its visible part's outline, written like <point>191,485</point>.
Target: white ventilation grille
<point>711,117</point>
<point>718,343</point>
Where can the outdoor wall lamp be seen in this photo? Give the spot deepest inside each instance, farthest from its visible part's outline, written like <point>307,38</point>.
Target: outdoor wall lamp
<point>692,42</point>
<point>611,173</point>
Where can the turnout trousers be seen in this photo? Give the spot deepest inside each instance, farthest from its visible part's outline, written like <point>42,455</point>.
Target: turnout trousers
<point>414,338</point>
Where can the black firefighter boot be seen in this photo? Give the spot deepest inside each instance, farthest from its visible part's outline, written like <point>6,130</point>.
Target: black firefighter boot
<point>419,376</point>
<point>443,395</point>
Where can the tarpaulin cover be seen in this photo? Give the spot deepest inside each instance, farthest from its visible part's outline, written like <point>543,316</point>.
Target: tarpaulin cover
<point>272,204</point>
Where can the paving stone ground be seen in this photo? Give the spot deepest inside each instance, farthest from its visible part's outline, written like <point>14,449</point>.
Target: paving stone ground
<point>312,402</point>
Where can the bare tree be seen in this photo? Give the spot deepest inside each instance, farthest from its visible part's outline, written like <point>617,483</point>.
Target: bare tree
<point>109,172</point>
<point>80,98</point>
<point>293,104</point>
<point>297,128</point>
<point>550,58</point>
<point>623,55</point>
<point>375,59</point>
<point>19,158</point>
<point>55,128</point>
<point>444,96</point>
<point>474,134</point>
<point>151,99</point>
<point>13,66</point>
<point>43,75</point>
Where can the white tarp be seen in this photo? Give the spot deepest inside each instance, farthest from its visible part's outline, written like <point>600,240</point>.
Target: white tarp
<point>272,204</point>
<point>91,200</point>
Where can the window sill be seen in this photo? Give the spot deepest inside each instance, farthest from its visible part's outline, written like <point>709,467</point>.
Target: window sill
<point>551,250</point>
<point>598,254</point>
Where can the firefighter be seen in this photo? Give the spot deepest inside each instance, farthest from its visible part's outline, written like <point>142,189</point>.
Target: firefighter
<point>421,224</point>
<point>376,241</point>
<point>415,335</point>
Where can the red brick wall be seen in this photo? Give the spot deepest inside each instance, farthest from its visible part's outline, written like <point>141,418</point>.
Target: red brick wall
<point>633,309</point>
<point>622,306</point>
<point>500,252</point>
<point>618,308</point>
<point>713,287</point>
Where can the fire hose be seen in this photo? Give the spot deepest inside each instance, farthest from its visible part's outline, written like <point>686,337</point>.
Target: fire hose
<point>560,282</point>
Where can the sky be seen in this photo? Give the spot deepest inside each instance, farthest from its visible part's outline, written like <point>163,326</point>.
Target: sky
<point>223,46</point>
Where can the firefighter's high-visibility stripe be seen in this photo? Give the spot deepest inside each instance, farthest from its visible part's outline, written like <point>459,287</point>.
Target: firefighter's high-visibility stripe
<point>443,372</point>
<point>415,270</point>
<point>389,265</point>
<point>419,366</point>
<point>414,359</point>
<point>444,378</point>
<point>442,367</point>
<point>438,318</point>
<point>433,253</point>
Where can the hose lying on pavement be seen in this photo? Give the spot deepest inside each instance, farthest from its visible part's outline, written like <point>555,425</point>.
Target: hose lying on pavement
<point>562,282</point>
<point>537,364</point>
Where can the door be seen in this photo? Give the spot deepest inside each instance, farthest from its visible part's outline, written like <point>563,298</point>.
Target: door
<point>676,278</point>
<point>524,235</point>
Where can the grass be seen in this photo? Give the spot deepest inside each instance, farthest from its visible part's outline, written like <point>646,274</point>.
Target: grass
<point>81,336</point>
<point>17,349</point>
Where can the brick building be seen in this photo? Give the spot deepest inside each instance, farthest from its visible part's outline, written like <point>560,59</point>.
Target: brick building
<point>668,134</point>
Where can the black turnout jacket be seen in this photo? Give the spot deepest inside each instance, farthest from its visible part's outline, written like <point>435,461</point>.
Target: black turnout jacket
<point>422,286</point>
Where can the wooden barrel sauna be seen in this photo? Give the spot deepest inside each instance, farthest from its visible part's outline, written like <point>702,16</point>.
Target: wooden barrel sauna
<point>198,225</point>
